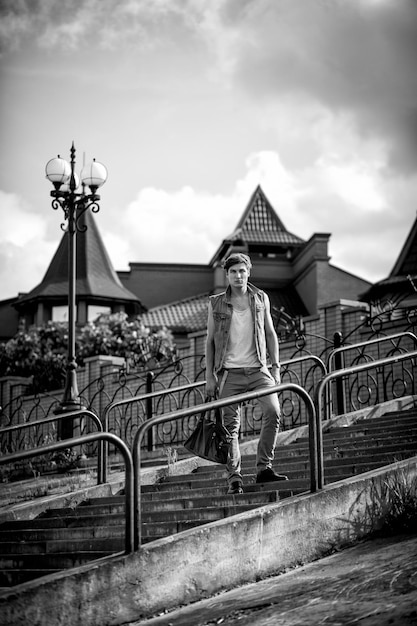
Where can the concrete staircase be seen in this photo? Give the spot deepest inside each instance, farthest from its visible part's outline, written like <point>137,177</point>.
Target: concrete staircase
<point>65,538</point>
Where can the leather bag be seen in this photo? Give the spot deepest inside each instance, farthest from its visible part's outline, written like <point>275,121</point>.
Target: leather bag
<point>210,440</point>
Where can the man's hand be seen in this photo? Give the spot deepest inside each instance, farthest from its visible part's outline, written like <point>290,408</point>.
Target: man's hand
<point>276,374</point>
<point>211,385</point>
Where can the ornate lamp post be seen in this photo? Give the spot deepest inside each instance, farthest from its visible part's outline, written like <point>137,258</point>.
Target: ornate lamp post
<point>65,181</point>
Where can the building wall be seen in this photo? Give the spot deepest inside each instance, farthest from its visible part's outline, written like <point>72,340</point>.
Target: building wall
<point>9,319</point>
<point>318,282</point>
<point>161,283</point>
<point>336,284</point>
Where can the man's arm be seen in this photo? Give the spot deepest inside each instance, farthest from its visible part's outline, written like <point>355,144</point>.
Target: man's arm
<point>211,378</point>
<point>272,344</point>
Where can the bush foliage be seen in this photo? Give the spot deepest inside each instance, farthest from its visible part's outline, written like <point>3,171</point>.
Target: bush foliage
<point>41,352</point>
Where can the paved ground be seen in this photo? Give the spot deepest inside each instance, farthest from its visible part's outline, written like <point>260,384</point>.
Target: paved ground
<point>371,584</point>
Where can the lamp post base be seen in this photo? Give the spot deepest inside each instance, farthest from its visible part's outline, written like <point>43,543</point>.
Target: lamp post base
<point>66,426</point>
<point>69,403</point>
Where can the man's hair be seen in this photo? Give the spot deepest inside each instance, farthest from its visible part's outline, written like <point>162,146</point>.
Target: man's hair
<point>235,258</point>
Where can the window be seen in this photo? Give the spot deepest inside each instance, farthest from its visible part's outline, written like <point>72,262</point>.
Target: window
<point>94,311</point>
<point>60,313</point>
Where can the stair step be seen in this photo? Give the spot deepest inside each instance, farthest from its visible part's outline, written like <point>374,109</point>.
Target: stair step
<point>93,544</point>
<point>29,534</point>
<point>219,484</point>
<point>208,514</point>
<point>91,524</point>
<point>170,491</point>
<point>165,491</point>
<point>353,443</point>
<point>65,523</point>
<point>151,532</point>
<point>352,469</point>
<point>12,577</point>
<point>57,560</point>
<point>344,433</point>
<point>96,508</point>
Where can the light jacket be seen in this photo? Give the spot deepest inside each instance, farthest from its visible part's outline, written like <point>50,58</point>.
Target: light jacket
<point>222,317</point>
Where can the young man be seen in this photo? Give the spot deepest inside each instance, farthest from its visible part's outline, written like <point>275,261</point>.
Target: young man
<point>240,334</point>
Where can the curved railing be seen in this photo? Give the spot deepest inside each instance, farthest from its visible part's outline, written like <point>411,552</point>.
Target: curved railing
<point>57,418</point>
<point>362,352</point>
<point>86,439</point>
<point>243,397</point>
<point>367,343</point>
<point>139,399</point>
<point>318,399</point>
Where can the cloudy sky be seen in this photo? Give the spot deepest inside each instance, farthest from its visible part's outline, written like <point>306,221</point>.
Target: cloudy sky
<point>191,104</point>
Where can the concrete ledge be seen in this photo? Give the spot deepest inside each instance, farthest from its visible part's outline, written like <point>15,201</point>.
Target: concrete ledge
<point>186,567</point>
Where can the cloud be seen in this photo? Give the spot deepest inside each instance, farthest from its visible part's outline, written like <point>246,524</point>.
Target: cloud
<point>357,57</point>
<point>105,24</point>
<point>182,226</point>
<point>24,251</point>
<point>19,225</point>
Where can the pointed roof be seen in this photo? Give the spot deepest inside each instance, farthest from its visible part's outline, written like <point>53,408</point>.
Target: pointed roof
<point>96,278</point>
<point>259,226</point>
<point>403,277</point>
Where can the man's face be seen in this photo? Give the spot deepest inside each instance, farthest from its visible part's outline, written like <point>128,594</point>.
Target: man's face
<point>238,275</point>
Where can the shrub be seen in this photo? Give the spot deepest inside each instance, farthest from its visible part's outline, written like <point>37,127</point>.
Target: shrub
<point>41,353</point>
<point>400,508</point>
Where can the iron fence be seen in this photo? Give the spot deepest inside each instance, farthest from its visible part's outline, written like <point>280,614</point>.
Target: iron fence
<point>32,435</point>
<point>365,336</point>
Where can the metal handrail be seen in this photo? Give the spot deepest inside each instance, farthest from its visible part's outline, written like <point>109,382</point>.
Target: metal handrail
<point>115,440</point>
<point>318,398</point>
<point>189,386</point>
<point>352,346</point>
<point>146,396</point>
<point>252,395</point>
<point>61,416</point>
<point>308,357</point>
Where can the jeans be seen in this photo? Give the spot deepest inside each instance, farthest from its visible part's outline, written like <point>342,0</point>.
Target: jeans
<point>240,380</point>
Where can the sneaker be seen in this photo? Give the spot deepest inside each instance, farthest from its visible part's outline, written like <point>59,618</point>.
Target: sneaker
<point>235,487</point>
<point>269,476</point>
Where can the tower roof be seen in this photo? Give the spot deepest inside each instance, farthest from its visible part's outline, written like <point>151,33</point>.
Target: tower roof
<point>403,277</point>
<point>259,227</point>
<point>96,280</point>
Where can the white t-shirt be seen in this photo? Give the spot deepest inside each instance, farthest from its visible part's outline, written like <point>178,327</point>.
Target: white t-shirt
<point>241,348</point>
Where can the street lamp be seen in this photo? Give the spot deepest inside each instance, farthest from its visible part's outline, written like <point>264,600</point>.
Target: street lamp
<point>65,181</point>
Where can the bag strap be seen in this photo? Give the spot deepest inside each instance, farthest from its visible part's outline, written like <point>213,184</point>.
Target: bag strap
<point>219,416</point>
<point>218,413</point>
